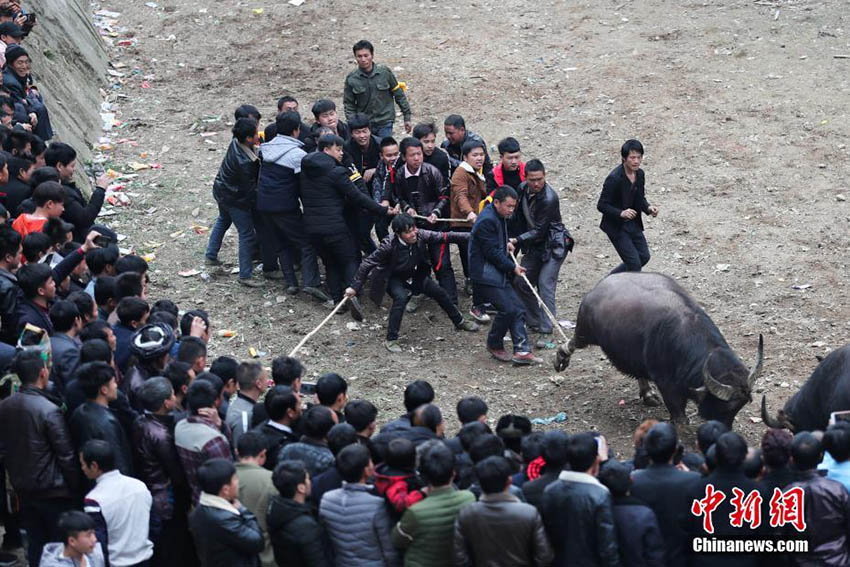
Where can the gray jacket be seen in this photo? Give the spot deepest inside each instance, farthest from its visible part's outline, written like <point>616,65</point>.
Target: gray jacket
<point>239,414</point>
<point>52,556</point>
<point>359,527</point>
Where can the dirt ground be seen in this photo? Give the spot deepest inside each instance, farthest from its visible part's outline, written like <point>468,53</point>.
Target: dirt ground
<point>740,106</point>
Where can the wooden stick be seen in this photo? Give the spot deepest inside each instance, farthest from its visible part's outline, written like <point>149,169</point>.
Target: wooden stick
<point>540,301</point>
<point>322,324</point>
<point>441,220</point>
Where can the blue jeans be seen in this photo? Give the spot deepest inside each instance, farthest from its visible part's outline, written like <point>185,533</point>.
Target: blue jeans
<point>382,130</point>
<point>510,316</point>
<point>244,225</point>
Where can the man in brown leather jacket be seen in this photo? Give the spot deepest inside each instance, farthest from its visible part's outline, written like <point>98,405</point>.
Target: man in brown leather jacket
<point>499,529</point>
<point>401,267</point>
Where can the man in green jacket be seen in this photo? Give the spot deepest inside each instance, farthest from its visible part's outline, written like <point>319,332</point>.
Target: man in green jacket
<point>371,90</point>
<point>256,486</point>
<point>426,529</point>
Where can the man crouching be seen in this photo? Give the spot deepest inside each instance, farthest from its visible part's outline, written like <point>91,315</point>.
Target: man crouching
<point>401,266</point>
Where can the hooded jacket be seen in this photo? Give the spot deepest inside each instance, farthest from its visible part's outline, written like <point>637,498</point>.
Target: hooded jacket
<point>277,187</point>
<point>235,184</point>
<point>327,189</point>
<point>52,556</point>
<point>296,536</point>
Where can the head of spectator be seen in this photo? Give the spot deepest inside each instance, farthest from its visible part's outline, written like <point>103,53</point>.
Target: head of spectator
<point>730,452</point>
<point>162,318</point>
<point>836,440</point>
<point>511,429</point>
<point>361,131</point>
<point>411,152</point>
<point>97,381</point>
<point>76,530</point>
<point>96,458</point>
<point>283,405</point>
<point>10,248</point>
<point>181,376</point>
<point>247,111</point>
<point>61,156</point>
<point>531,449</point>
<point>130,284</point>
<point>35,246</point>
<point>31,368</point>
<point>18,61</point>
<point>362,415</point>
<point>486,445</point>
<point>417,393</point>
<point>196,323</point>
<point>194,352</point>
<point>104,296</point>
<point>252,379</point>
<point>49,199</point>
<point>216,383</point>
<point>150,347</point>
<point>324,111</point>
<point>707,434</point>
<point>615,476</point>
<point>454,127</point>
<point>806,451</point>
<point>287,371</point>
<point>85,305</point>
<point>340,436</point>
<point>21,168</point>
<point>776,448</point>
<point>475,154</point>
<point>509,153</point>
<point>292,481</point>
<point>471,408</point>
<point>583,454</point>
<point>472,431</point>
<point>753,464</point>
<point>251,448</point>
<point>201,395</point>
<point>65,318</point>
<point>389,151</point>
<point>317,422</point>
<point>133,312</point>
<point>157,395</point>
<point>401,455</point>
<point>332,145</point>
<point>218,477</point>
<point>225,367</point>
<point>437,466</point>
<point>494,475</point>
<point>36,283</point>
<point>555,445</point>
<point>42,174</point>
<point>426,133</point>
<point>332,391</point>
<point>660,443</point>
<point>11,33</point>
<point>166,305</point>
<point>364,53</point>
<point>354,464</point>
<point>430,417</point>
<point>287,103</point>
<point>131,263</point>
<point>288,123</point>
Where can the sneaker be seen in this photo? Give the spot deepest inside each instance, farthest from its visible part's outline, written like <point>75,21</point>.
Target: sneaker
<point>356,311</point>
<point>250,282</point>
<point>467,287</point>
<point>499,354</point>
<point>523,358</point>
<point>393,346</point>
<point>478,314</point>
<point>317,293</point>
<point>292,289</point>
<point>467,325</point>
<point>212,261</point>
<point>275,275</point>
<point>413,304</point>
<point>544,341</point>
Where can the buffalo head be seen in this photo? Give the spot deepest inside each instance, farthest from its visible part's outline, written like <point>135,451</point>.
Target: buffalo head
<point>781,421</point>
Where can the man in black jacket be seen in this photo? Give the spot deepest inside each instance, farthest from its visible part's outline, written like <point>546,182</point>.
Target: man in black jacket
<point>283,406</point>
<point>457,135</point>
<point>664,488</point>
<point>621,203</point>
<point>326,187</point>
<point>39,457</point>
<point>295,534</point>
<point>544,242</point>
<point>577,511</point>
<point>10,260</point>
<point>78,211</point>
<point>555,444</point>
<point>400,267</point>
<point>427,134</point>
<point>226,534</point>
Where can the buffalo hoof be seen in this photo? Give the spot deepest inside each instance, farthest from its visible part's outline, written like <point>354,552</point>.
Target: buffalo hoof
<point>562,360</point>
<point>651,400</point>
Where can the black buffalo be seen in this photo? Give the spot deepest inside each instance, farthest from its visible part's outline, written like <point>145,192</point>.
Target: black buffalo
<point>827,390</point>
<point>651,329</point>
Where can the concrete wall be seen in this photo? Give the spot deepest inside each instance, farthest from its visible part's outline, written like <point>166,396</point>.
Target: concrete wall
<point>69,67</point>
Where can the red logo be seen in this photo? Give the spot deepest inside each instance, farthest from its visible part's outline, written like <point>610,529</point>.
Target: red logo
<point>785,508</point>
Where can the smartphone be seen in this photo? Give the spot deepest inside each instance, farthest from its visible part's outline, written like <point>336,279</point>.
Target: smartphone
<point>103,241</point>
<point>837,416</point>
<point>308,388</point>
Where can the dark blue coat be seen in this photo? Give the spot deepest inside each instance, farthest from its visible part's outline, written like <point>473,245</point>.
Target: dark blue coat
<point>638,534</point>
<point>489,263</point>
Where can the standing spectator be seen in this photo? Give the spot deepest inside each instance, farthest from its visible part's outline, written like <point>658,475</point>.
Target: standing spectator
<point>78,211</point>
<point>286,103</point>
<point>78,544</point>
<point>149,355</point>
<point>340,436</point>
<point>10,260</point>
<point>158,466</point>
<point>255,485</point>
<point>253,382</point>
<point>499,529</point>
<point>396,478</point>
<point>836,461</point>
<point>426,528</point>
<point>545,243</point>
<point>638,534</point>
<point>235,192</point>
<point>827,507</point>
<point>469,409</point>
<point>94,419</point>
<point>283,406</point>
<point>286,371</point>
<point>621,203</point>
<point>357,522</point>
<point>296,536</point>
<point>577,510</point>
<point>226,534</point>
<point>457,136</point>
<point>312,449</point>
<point>554,449</point>
<point>64,344</point>
<point>371,90</point>
<point>120,507</point>
<point>776,454</point>
<point>45,469</point>
<point>198,437</point>
<point>664,488</point>
<point>362,415</point>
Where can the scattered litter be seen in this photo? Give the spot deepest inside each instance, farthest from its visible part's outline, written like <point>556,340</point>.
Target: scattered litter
<point>278,298</point>
<point>188,273</point>
<point>722,267</point>
<point>352,326</point>
<point>256,353</point>
<point>296,2</point>
<point>816,344</point>
<point>567,324</point>
<point>195,212</point>
<point>559,417</point>
<point>227,333</point>
<point>108,14</point>
<point>258,11</point>
<point>234,270</point>
<point>200,229</point>
<point>840,197</point>
<point>108,119</point>
<point>176,233</point>
<point>138,166</point>
<point>146,85</point>
<point>149,257</point>
<point>151,4</point>
<point>621,403</point>
<point>755,419</point>
<point>801,286</point>
<point>207,134</point>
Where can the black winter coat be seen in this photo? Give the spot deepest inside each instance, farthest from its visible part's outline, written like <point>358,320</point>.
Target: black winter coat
<point>93,421</point>
<point>235,184</point>
<point>533,490</point>
<point>9,297</point>
<point>33,430</point>
<point>295,534</point>
<point>225,539</point>
<point>327,190</point>
<point>79,212</point>
<point>827,514</point>
<point>544,210</point>
<point>431,195</point>
<point>276,439</point>
<point>16,192</point>
<point>610,202</point>
<point>638,534</point>
<point>157,462</point>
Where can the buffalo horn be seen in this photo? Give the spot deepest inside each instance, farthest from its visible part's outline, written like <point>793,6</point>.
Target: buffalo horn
<point>781,420</point>
<point>756,370</point>
<point>715,388</point>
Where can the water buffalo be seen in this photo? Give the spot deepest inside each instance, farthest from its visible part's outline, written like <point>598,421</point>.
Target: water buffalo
<point>651,329</point>
<point>827,390</point>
